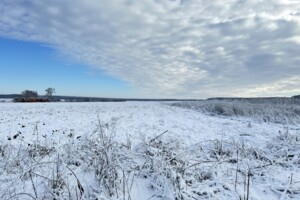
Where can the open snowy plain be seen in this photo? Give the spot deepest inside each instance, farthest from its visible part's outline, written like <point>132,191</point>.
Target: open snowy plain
<point>143,150</point>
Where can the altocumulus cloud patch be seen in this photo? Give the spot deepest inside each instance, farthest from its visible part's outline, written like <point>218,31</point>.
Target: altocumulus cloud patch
<point>174,48</point>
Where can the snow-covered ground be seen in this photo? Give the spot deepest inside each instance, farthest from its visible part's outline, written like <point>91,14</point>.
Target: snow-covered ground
<point>161,151</point>
<point>5,100</point>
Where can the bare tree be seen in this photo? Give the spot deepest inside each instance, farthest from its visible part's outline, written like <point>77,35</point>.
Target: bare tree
<point>49,92</point>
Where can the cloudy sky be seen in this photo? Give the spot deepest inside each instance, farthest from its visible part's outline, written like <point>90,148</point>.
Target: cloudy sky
<point>152,48</point>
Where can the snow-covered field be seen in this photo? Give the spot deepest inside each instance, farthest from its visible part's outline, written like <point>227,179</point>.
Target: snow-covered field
<point>143,150</point>
<point>5,100</point>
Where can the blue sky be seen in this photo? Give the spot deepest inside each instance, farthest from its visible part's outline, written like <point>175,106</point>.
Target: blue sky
<point>36,66</point>
<point>151,48</point>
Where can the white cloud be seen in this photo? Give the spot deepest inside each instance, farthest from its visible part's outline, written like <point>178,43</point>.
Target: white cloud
<point>170,48</point>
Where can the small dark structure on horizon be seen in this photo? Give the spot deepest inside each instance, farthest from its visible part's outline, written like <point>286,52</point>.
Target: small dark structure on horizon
<point>30,100</point>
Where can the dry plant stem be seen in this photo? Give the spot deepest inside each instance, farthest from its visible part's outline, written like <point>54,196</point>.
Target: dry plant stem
<point>22,193</point>
<point>152,140</point>
<point>248,184</point>
<point>33,186</point>
<point>78,182</point>
<point>124,192</point>
<point>283,195</point>
<point>237,168</point>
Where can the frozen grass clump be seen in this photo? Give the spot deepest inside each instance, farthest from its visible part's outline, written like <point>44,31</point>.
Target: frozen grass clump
<point>45,170</point>
<point>217,169</point>
<point>272,110</point>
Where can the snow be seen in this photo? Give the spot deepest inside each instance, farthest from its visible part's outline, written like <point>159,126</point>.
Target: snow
<point>61,125</point>
<point>5,100</point>
<point>133,118</point>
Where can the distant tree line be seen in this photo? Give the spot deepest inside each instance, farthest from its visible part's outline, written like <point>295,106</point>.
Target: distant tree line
<point>296,97</point>
<point>267,100</point>
<point>32,96</point>
<point>29,94</point>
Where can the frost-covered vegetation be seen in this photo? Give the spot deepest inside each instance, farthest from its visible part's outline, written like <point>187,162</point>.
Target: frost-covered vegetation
<point>275,110</point>
<point>141,151</point>
<point>172,170</point>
